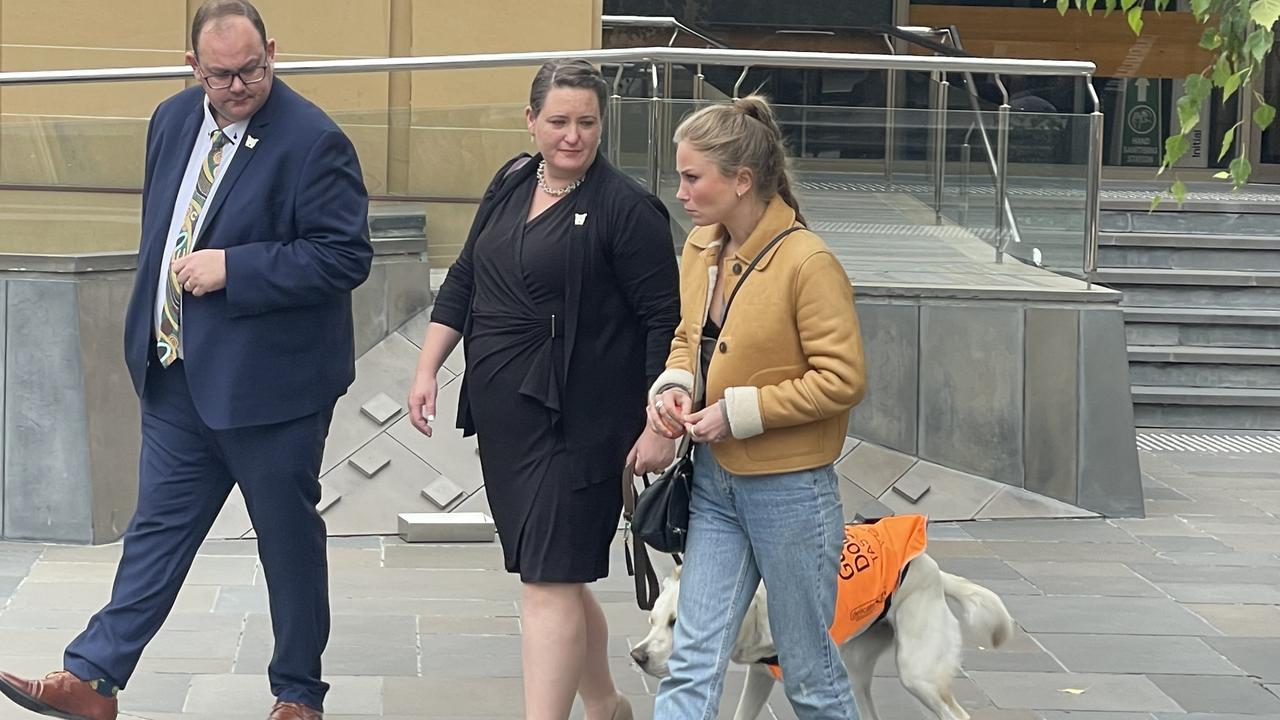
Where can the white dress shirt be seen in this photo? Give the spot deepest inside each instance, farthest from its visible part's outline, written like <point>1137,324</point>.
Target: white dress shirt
<point>199,152</point>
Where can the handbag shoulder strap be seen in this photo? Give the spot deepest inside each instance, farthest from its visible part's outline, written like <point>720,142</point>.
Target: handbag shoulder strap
<point>724,316</point>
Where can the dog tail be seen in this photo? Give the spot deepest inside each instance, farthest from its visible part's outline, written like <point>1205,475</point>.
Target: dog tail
<point>982,612</point>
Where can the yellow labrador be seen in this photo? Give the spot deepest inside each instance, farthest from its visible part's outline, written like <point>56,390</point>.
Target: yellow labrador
<point>929,616</point>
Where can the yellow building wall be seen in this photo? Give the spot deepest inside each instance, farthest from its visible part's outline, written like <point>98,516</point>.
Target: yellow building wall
<point>423,133</point>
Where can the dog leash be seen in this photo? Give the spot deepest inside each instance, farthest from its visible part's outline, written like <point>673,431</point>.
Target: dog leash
<point>638,564</point>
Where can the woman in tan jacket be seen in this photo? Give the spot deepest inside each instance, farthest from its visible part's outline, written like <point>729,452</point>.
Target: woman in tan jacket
<point>764,393</point>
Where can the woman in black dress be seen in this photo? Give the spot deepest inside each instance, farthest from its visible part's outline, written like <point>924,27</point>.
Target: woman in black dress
<point>566,296</point>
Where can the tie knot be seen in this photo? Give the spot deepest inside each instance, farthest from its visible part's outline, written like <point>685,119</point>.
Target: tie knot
<point>219,139</point>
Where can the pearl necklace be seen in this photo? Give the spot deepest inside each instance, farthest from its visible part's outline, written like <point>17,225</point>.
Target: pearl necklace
<point>554,192</point>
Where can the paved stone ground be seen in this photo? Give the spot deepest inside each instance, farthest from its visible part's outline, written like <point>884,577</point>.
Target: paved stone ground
<point>1173,617</point>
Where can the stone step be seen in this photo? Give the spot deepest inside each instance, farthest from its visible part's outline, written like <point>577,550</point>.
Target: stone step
<point>1179,240</point>
<point>1189,252</point>
<point>1204,367</point>
<point>1194,288</point>
<point>1204,355</point>
<point>1226,397</point>
<point>1204,375</point>
<point>1191,407</point>
<point>1202,327</point>
<point>1201,316</point>
<point>1187,223</point>
<point>1164,276</point>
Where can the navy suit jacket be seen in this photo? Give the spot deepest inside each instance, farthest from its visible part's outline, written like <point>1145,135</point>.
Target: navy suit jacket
<point>291,213</point>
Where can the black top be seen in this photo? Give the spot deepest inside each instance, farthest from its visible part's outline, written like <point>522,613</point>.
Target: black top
<point>621,307</point>
<point>542,250</point>
<point>710,336</point>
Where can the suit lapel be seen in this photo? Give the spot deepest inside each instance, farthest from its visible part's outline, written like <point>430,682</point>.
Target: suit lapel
<point>244,155</point>
<point>171,178</point>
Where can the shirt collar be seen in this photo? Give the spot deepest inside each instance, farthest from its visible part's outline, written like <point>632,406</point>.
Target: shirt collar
<point>234,131</point>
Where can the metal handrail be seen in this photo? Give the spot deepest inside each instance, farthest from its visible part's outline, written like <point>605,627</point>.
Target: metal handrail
<point>717,56</point>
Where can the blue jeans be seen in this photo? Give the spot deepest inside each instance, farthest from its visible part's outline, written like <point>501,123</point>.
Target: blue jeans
<point>787,529</point>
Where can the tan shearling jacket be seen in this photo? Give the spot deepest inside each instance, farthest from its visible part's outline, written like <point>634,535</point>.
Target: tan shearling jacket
<point>789,359</point>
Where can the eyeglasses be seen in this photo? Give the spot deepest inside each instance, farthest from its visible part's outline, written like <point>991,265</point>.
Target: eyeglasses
<point>222,81</point>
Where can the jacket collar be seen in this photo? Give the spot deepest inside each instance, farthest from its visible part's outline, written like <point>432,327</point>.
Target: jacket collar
<point>778,216</point>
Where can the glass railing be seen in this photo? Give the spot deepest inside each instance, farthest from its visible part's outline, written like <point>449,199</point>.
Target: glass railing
<point>846,193</point>
<point>869,178</point>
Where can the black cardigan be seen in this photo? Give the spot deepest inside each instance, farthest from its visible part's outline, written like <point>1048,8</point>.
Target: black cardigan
<point>621,310</point>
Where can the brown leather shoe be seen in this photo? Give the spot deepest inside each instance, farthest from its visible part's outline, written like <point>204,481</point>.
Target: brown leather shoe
<point>60,695</point>
<point>294,711</point>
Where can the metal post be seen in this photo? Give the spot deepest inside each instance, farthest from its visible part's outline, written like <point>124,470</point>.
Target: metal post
<point>655,110</point>
<point>1002,177</point>
<point>665,131</point>
<point>615,121</point>
<point>737,87</point>
<point>890,98</point>
<point>1002,167</point>
<point>940,146</point>
<point>698,80</point>
<point>965,151</point>
<point>1093,187</point>
<point>890,95</point>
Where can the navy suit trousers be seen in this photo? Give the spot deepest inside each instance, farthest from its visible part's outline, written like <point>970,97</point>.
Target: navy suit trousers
<point>186,472</point>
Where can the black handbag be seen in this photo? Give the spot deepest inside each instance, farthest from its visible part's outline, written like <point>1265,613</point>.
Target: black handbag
<point>659,515</point>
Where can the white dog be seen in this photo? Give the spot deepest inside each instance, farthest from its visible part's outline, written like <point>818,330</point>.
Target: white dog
<point>926,631</point>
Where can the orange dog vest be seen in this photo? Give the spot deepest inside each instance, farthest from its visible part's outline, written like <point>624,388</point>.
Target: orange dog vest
<point>874,559</point>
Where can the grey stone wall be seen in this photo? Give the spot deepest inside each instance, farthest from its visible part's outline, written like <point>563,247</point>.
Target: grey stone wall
<point>69,434</point>
<point>1030,390</point>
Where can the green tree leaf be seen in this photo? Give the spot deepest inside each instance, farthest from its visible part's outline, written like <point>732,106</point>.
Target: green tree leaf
<point>1179,191</point>
<point>1232,84</point>
<point>1228,138</point>
<point>1265,12</point>
<point>1134,16</point>
<point>1188,113</point>
<point>1258,43</point>
<point>1199,7</point>
<point>1221,71</point>
<point>1240,170</point>
<point>1211,40</point>
<point>1155,203</point>
<point>1264,115</point>
<point>1175,146</point>
<point>1064,5</point>
<point>1221,175</point>
<point>1198,87</point>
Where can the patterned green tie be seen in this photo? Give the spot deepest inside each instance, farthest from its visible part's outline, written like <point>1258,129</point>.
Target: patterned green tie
<point>171,317</point>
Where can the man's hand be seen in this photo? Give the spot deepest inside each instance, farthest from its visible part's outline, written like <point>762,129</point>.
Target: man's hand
<point>651,453</point>
<point>203,271</point>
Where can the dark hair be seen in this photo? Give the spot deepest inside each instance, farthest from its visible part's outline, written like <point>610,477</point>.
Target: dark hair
<point>214,9</point>
<point>572,73</point>
<point>744,134</point>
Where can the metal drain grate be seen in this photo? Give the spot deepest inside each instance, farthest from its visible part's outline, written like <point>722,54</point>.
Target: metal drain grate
<point>1186,442</point>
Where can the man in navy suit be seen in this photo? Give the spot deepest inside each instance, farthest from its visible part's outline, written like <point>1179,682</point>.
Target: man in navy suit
<point>239,342</point>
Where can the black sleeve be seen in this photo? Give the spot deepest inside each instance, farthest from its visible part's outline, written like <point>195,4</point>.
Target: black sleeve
<point>644,263</point>
<point>453,302</point>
